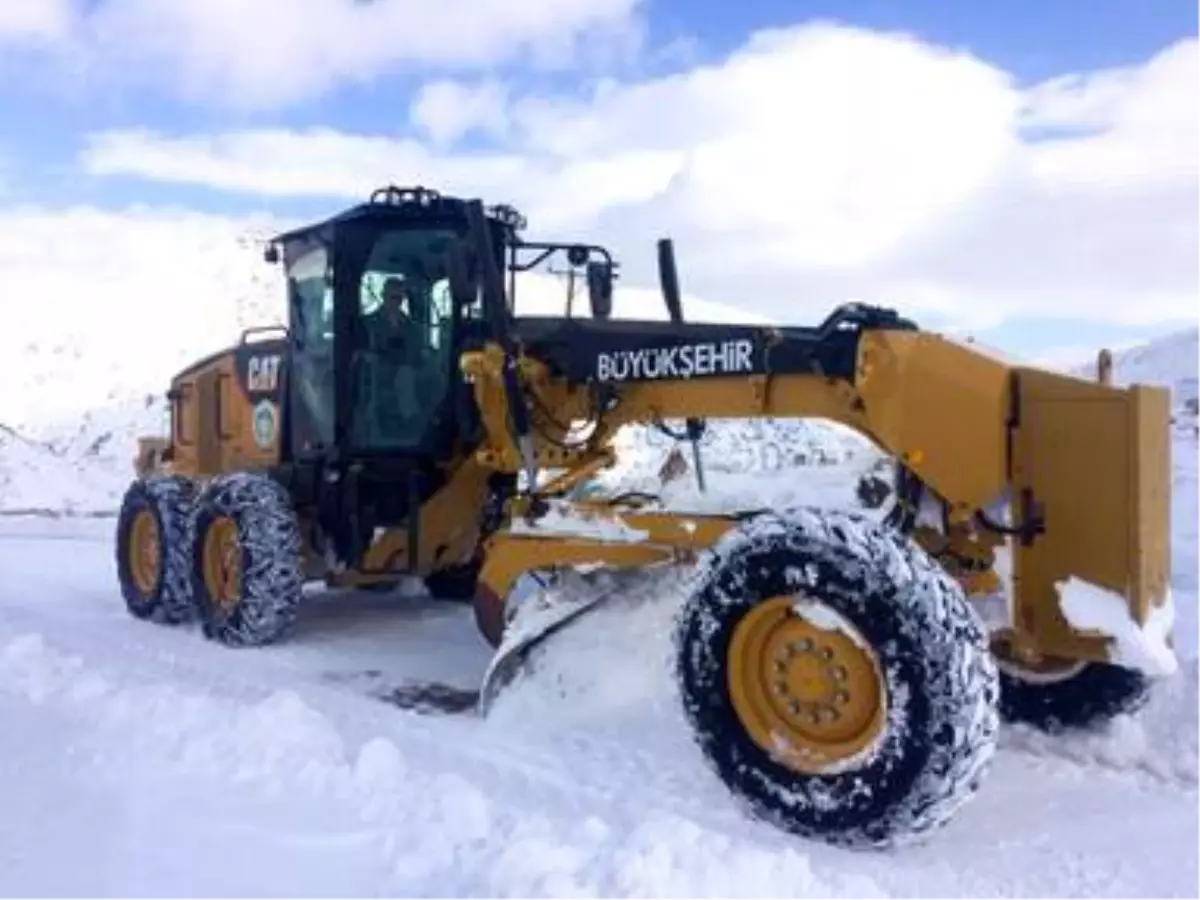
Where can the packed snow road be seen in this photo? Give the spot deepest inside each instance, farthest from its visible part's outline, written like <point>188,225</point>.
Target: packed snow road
<point>137,759</point>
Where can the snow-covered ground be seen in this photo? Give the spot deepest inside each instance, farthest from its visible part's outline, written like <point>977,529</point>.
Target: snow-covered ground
<point>137,759</point>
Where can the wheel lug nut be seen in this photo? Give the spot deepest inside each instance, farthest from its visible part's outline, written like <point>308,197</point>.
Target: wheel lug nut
<point>827,653</point>
<point>840,673</point>
<point>842,697</point>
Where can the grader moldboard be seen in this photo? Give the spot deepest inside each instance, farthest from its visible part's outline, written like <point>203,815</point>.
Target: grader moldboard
<point>831,664</point>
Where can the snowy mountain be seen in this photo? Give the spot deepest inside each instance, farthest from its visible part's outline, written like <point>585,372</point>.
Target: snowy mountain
<point>116,311</point>
<point>84,395</point>
<point>84,369</point>
<point>83,380</point>
<point>1170,361</point>
<point>35,479</point>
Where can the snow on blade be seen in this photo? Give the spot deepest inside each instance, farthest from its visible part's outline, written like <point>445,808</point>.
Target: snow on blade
<point>617,661</point>
<point>1089,607</point>
<point>561,519</point>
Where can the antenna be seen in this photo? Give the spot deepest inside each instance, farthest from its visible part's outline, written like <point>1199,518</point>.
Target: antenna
<point>570,274</point>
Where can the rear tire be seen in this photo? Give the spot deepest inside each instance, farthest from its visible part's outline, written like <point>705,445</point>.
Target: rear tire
<point>938,679</point>
<point>456,583</point>
<point>158,509</point>
<point>1079,696</point>
<point>265,587</point>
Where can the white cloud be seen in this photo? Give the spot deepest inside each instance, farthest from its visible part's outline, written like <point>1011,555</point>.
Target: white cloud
<point>815,164</point>
<point>1078,101</point>
<point>1137,125</point>
<point>266,53</point>
<point>320,162</point>
<point>34,19</point>
<point>325,163</point>
<point>446,111</point>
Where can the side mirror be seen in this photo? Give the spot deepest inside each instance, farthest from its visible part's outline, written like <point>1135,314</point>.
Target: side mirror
<point>271,254</point>
<point>600,288</point>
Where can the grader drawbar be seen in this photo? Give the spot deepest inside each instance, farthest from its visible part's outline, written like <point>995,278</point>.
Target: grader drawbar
<point>835,666</point>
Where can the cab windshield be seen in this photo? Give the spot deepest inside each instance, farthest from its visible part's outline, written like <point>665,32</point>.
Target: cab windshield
<point>402,352</point>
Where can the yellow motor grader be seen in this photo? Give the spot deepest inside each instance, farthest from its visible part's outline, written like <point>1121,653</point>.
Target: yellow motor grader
<point>832,665</point>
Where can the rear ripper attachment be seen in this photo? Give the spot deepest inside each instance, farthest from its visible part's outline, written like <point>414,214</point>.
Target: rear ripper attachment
<point>834,666</point>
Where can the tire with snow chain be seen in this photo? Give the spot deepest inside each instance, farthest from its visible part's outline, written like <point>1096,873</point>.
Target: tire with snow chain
<point>1070,696</point>
<point>852,591</point>
<point>247,572</point>
<point>153,548</point>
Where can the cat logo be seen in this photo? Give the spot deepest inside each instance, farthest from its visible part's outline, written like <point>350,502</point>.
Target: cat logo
<point>265,425</point>
<point>262,374</point>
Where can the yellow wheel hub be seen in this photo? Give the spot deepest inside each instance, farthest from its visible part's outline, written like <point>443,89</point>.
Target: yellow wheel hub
<point>145,551</point>
<point>810,697</point>
<point>223,563</point>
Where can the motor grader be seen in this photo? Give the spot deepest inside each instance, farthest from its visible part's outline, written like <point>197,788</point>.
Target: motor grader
<point>833,665</point>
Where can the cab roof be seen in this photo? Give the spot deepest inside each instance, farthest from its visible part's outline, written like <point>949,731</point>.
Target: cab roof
<point>393,202</point>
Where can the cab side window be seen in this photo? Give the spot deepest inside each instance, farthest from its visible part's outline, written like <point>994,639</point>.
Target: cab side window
<point>310,285</point>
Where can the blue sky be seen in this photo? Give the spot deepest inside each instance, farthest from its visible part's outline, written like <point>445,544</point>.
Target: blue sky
<point>74,71</point>
<point>1035,39</point>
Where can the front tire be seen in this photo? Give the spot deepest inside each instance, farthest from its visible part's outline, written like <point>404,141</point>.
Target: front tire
<point>886,640</point>
<point>247,571</point>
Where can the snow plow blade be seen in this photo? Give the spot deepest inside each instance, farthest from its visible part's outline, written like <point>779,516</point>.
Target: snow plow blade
<point>526,633</point>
